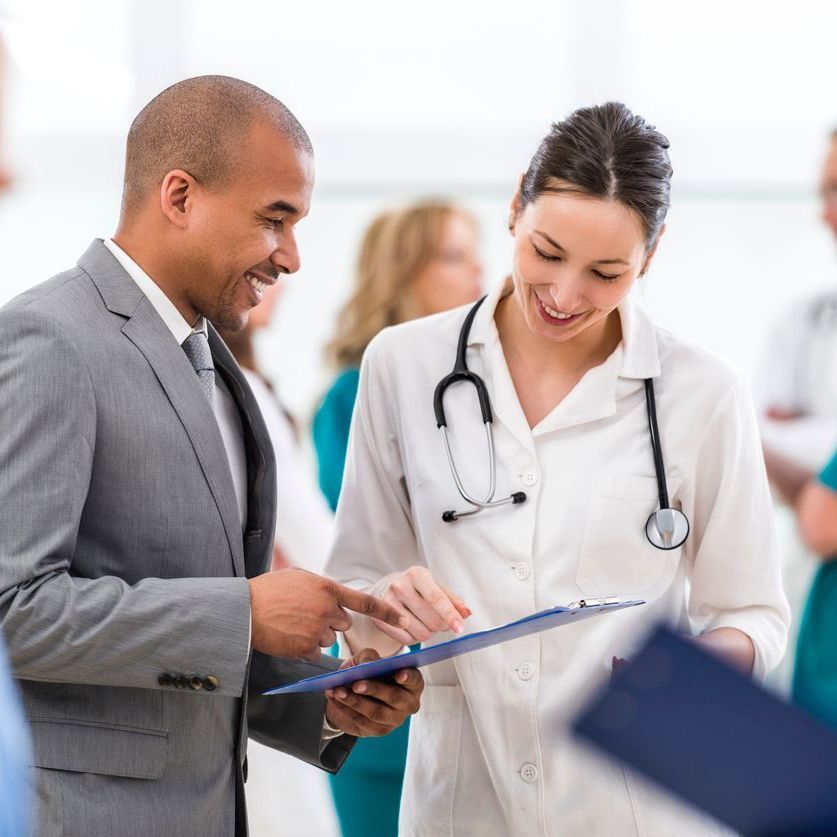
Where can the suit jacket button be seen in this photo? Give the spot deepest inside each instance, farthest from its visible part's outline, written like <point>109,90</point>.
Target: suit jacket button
<point>165,679</point>
<point>182,682</point>
<point>210,683</point>
<point>196,682</point>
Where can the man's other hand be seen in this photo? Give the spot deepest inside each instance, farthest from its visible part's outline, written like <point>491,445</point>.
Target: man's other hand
<point>296,613</point>
<point>374,707</point>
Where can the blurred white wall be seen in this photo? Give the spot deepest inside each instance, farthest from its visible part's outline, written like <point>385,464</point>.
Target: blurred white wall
<point>447,98</point>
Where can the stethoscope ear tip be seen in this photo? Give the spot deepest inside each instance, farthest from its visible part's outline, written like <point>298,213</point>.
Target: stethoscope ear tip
<point>449,516</point>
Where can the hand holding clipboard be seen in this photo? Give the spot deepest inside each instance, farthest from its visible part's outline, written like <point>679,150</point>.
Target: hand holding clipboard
<point>543,620</point>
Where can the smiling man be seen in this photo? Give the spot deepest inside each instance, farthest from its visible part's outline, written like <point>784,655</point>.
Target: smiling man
<point>137,498</point>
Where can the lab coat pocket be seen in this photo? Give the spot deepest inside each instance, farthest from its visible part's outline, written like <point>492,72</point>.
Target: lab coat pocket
<point>433,763</point>
<point>616,557</point>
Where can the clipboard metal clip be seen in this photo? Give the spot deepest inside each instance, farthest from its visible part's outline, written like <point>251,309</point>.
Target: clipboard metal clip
<point>604,600</point>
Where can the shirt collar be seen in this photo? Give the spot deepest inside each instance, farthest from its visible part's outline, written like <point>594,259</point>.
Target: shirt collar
<point>167,310</point>
<point>640,358</point>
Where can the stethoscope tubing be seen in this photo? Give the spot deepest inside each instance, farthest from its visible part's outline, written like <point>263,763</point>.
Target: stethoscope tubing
<point>656,447</point>
<point>663,524</point>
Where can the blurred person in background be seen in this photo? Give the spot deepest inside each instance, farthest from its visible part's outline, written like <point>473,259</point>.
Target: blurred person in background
<point>5,173</point>
<point>813,497</point>
<point>285,798</point>
<point>304,522</point>
<point>15,799</point>
<point>413,262</point>
<point>799,377</point>
<point>14,743</point>
<point>799,426</point>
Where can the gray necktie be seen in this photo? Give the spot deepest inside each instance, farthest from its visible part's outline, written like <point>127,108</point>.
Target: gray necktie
<point>197,350</point>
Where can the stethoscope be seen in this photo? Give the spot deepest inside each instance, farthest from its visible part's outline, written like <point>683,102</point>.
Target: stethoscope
<point>667,528</point>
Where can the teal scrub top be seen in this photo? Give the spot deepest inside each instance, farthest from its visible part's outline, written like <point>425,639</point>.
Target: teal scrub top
<point>815,668</point>
<point>331,432</point>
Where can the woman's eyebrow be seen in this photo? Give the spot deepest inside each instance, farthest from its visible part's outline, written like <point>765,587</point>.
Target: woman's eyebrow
<point>552,241</point>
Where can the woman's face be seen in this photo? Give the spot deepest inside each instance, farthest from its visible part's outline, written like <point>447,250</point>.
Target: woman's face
<point>575,259</point>
<point>828,188</point>
<point>452,277</point>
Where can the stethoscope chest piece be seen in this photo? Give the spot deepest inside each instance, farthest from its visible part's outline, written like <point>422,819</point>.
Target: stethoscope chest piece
<point>667,528</point>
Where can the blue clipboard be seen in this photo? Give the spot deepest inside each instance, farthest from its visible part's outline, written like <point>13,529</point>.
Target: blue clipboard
<point>710,735</point>
<point>554,617</point>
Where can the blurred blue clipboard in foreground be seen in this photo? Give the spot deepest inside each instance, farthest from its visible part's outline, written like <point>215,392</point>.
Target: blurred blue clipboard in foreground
<point>554,617</point>
<point>719,741</point>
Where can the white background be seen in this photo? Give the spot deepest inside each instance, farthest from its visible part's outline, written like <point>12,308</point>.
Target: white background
<point>449,98</point>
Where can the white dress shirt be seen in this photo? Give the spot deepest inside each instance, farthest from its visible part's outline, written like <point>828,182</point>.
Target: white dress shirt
<point>490,752</point>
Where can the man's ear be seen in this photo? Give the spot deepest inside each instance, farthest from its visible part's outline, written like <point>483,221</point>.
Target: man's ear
<point>177,194</point>
<point>516,206</point>
<point>650,255</point>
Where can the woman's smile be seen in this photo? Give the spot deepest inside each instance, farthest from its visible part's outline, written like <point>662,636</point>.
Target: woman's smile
<point>553,316</point>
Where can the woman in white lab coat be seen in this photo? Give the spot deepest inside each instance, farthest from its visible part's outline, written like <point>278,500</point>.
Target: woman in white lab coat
<point>564,353</point>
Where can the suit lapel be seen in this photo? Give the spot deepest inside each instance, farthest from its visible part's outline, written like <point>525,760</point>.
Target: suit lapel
<point>261,479</point>
<point>149,334</point>
<point>177,377</point>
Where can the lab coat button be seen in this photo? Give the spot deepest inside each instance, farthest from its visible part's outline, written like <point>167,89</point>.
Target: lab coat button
<point>529,772</point>
<point>526,671</point>
<point>522,570</point>
<point>529,477</point>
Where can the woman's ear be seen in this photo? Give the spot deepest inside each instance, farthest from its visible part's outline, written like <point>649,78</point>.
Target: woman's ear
<point>650,254</point>
<point>516,206</point>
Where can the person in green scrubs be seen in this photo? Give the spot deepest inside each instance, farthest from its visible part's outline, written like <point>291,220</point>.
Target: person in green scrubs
<point>414,261</point>
<point>806,396</point>
<point>815,673</point>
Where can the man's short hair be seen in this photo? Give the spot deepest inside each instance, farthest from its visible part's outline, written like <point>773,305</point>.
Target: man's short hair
<point>199,125</point>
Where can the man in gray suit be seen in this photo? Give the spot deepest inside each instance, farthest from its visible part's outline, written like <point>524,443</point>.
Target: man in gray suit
<point>137,494</point>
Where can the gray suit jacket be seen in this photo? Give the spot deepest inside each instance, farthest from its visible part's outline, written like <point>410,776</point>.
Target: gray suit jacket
<point>123,592</point>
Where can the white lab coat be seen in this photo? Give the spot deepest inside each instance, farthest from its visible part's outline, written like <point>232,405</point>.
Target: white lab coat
<point>799,374</point>
<point>490,752</point>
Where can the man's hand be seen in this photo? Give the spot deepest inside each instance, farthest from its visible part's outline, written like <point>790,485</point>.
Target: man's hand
<point>374,707</point>
<point>295,613</point>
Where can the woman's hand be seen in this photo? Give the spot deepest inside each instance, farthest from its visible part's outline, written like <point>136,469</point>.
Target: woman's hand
<point>428,606</point>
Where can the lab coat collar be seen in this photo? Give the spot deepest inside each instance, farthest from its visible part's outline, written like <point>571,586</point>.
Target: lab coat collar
<point>595,396</point>
<point>639,357</point>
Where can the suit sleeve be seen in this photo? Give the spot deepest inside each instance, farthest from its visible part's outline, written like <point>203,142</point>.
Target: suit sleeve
<point>60,626</point>
<point>293,723</point>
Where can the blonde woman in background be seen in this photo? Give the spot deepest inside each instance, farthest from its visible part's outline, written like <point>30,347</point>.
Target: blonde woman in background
<point>414,261</point>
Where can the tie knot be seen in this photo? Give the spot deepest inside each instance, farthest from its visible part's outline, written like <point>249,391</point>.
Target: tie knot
<point>196,347</point>
<point>197,350</point>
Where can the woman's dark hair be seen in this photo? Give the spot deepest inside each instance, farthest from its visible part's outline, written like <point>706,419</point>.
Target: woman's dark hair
<point>606,152</point>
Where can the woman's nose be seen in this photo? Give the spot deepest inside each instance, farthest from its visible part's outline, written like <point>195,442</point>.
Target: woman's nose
<point>565,296</point>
